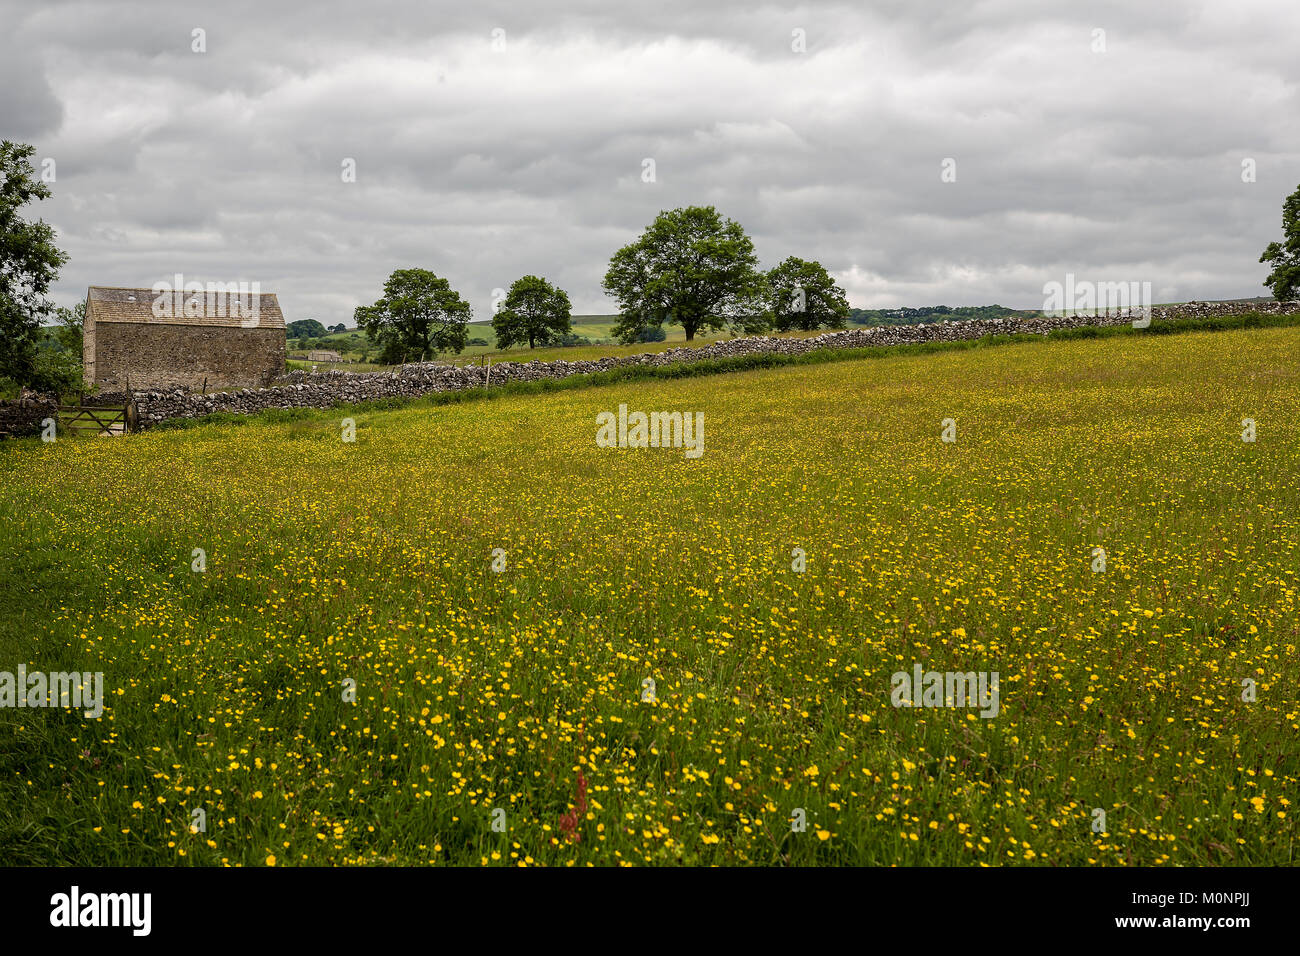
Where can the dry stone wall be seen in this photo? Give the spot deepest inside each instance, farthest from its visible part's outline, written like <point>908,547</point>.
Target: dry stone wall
<point>331,388</point>
<point>23,415</point>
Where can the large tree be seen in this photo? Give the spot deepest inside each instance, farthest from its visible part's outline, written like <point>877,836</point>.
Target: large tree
<point>29,262</point>
<point>802,295</point>
<point>418,316</point>
<point>690,268</point>
<point>534,311</point>
<point>1284,280</point>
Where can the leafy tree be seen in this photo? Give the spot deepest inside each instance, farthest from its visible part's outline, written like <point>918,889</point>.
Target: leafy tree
<point>59,372</point>
<point>690,267</point>
<point>304,329</point>
<point>802,295</point>
<point>418,316</point>
<point>58,358</point>
<point>29,262</point>
<point>72,323</point>
<point>651,333</point>
<point>338,328</point>
<point>534,311</point>
<point>1284,280</point>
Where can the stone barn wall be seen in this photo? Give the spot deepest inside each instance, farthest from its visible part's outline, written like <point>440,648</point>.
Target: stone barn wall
<point>225,335</point>
<point>156,355</point>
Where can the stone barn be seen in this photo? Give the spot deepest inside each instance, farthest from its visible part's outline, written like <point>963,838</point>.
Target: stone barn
<point>152,339</point>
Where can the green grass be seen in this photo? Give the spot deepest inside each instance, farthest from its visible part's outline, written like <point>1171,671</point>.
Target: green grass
<point>371,561</point>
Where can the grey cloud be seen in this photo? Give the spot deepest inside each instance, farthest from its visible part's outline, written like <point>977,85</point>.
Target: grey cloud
<point>484,166</point>
<point>28,107</point>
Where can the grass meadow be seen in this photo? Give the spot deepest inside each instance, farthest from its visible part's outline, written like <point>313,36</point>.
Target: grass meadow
<point>370,563</point>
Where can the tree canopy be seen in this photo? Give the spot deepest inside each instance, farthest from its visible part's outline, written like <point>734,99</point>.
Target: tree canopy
<point>29,263</point>
<point>304,328</point>
<point>418,316</point>
<point>691,268</point>
<point>802,295</point>
<point>69,332</point>
<point>1284,280</point>
<point>534,311</point>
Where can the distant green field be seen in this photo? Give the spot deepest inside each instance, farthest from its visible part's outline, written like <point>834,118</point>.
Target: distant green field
<point>646,676</point>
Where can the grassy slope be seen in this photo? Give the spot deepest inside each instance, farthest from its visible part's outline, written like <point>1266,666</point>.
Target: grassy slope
<point>370,561</point>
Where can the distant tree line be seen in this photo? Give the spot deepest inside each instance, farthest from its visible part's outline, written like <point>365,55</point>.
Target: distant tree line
<point>929,313</point>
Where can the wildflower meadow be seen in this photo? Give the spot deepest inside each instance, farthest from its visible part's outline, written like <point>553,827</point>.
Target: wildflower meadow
<point>471,633</point>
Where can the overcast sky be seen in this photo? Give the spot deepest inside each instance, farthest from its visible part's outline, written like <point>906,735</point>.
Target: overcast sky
<point>484,163</point>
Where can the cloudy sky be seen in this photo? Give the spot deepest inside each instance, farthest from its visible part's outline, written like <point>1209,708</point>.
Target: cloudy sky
<point>495,139</point>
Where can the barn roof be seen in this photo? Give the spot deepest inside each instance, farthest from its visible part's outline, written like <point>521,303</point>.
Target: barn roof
<point>110,304</point>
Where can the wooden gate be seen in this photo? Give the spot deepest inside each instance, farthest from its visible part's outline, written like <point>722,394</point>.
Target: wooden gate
<point>106,420</point>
